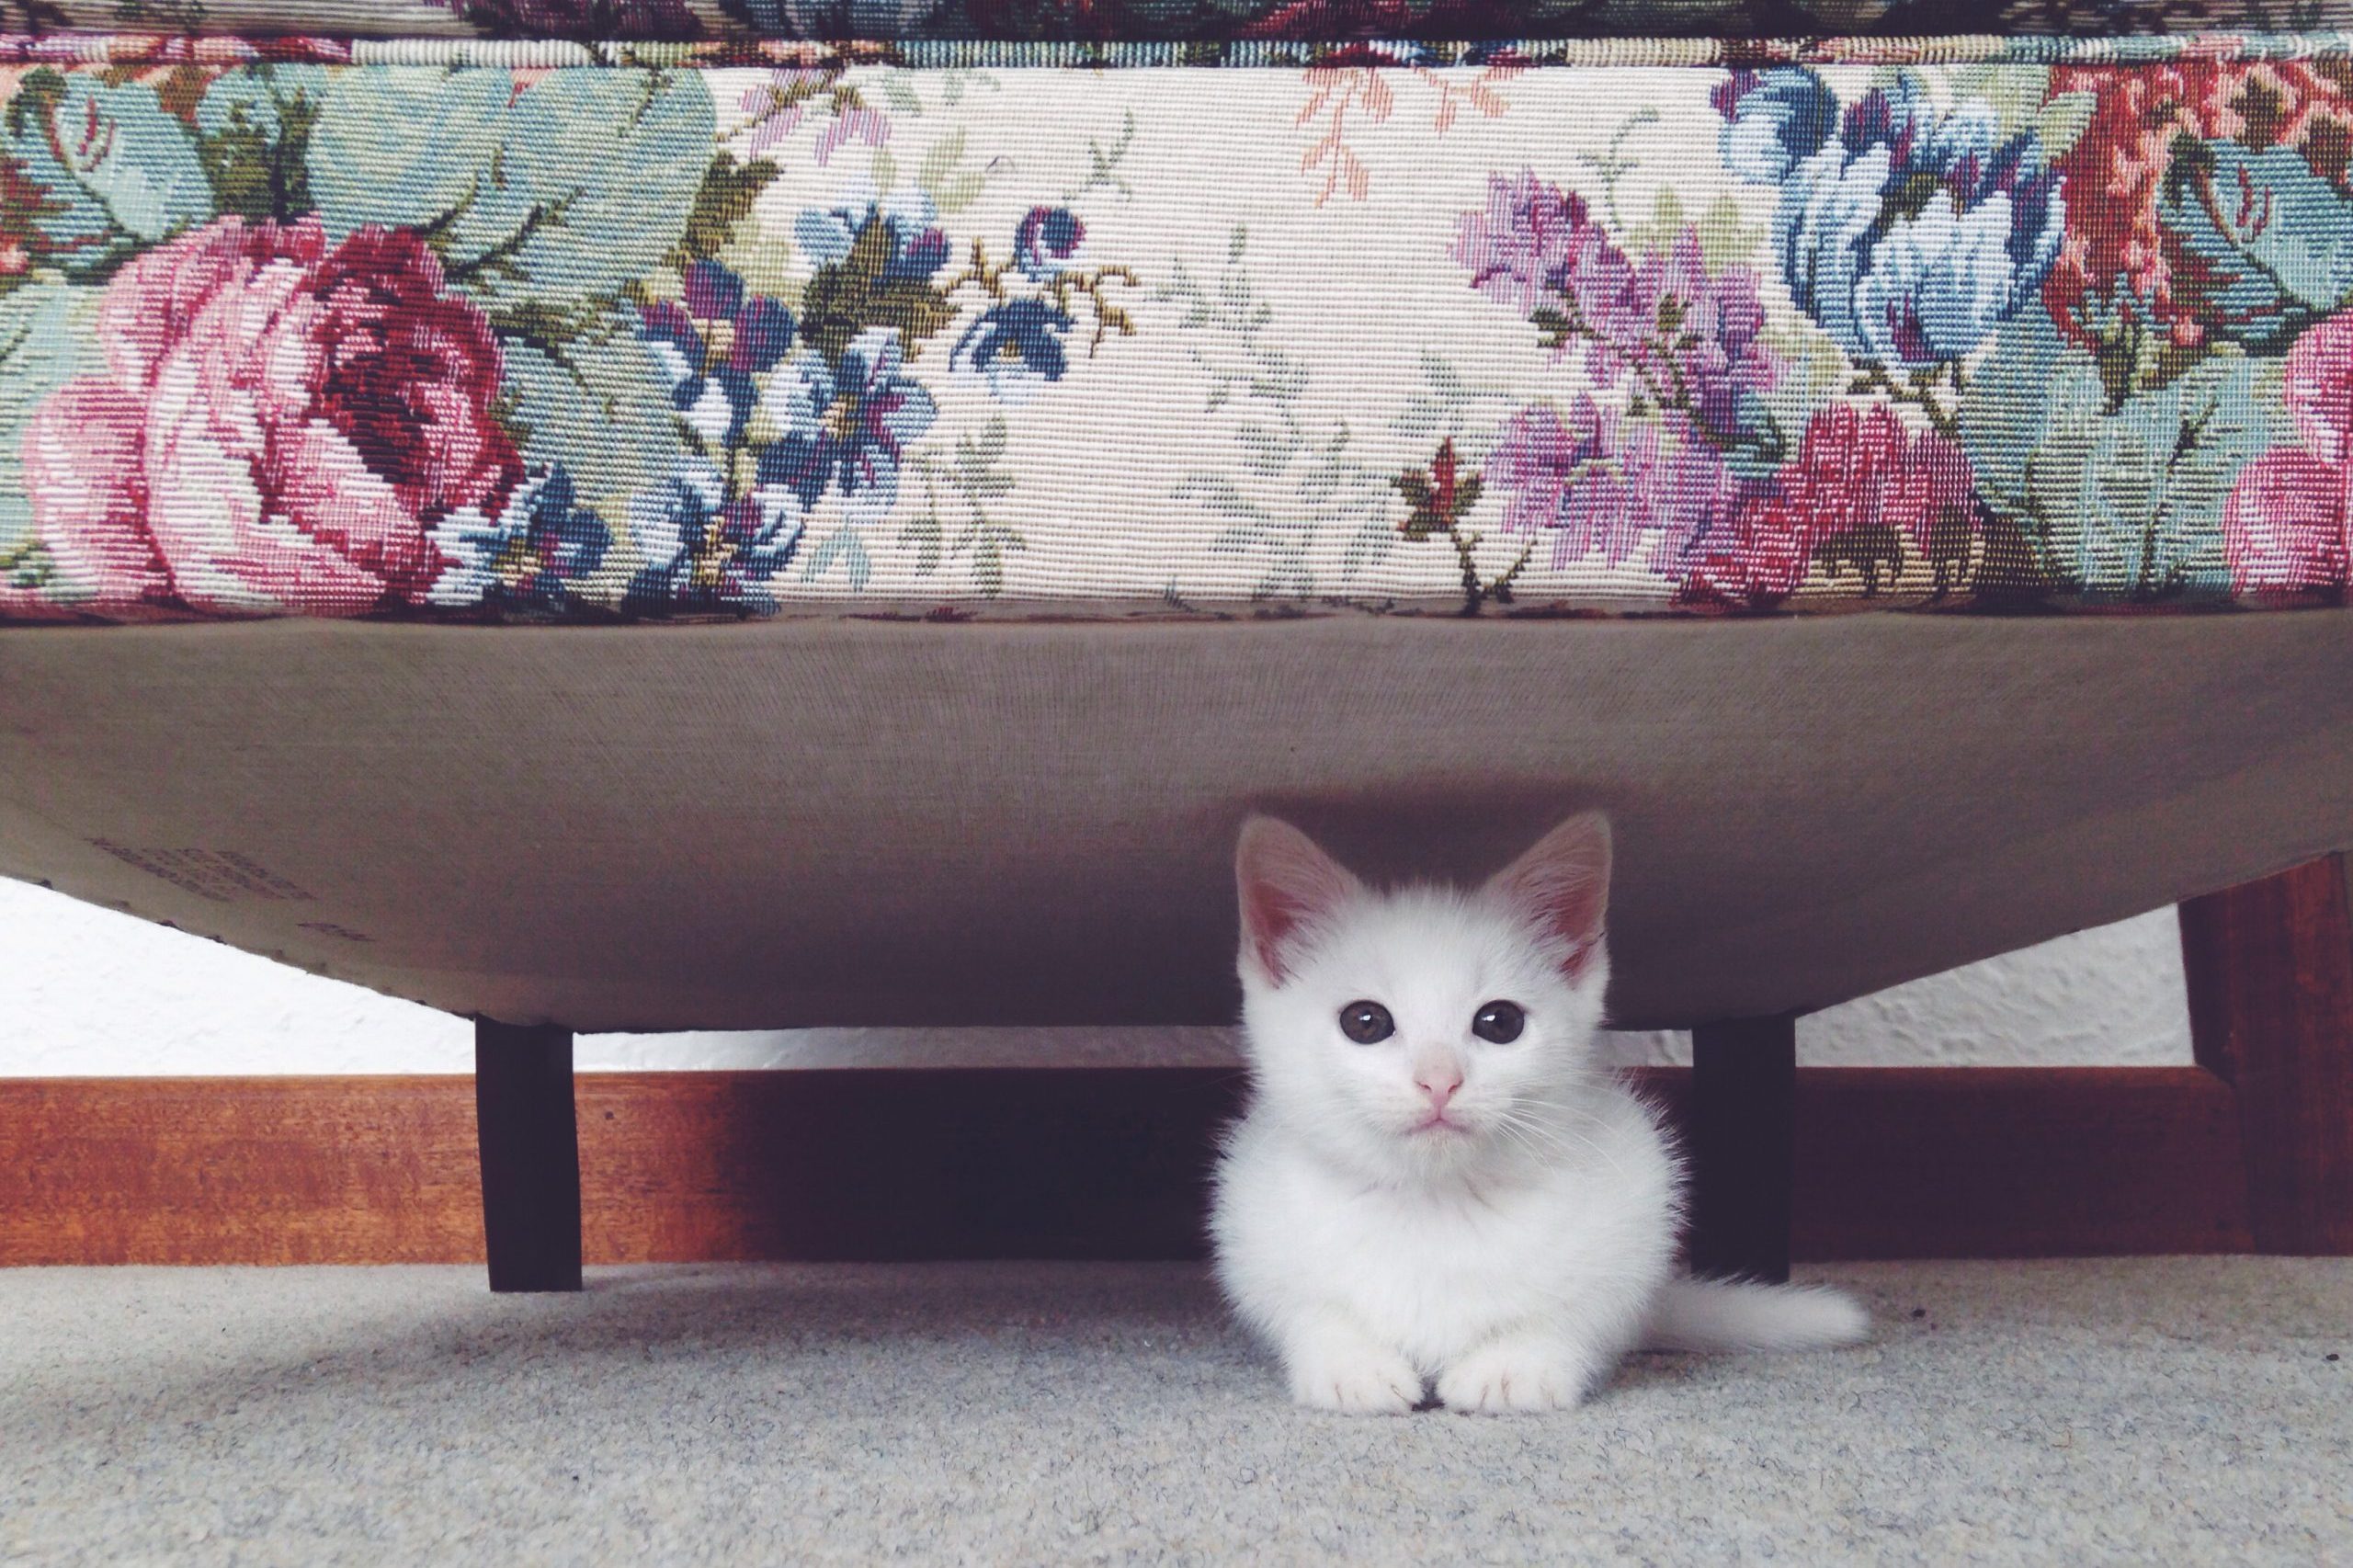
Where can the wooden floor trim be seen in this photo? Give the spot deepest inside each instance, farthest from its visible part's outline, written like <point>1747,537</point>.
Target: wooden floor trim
<point>1059,1162</point>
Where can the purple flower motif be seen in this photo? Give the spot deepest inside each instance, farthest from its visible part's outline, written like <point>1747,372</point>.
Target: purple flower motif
<point>1046,239</point>
<point>1531,238</point>
<point>1610,487</point>
<point>783,101</point>
<point>712,292</point>
<point>669,526</point>
<point>1680,489</point>
<point>1690,341</point>
<point>759,534</point>
<point>698,549</point>
<point>699,552</point>
<point>711,343</point>
<point>1542,460</point>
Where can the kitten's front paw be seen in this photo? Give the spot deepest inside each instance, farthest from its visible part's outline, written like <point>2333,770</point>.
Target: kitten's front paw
<point>1355,1380</point>
<point>1515,1376</point>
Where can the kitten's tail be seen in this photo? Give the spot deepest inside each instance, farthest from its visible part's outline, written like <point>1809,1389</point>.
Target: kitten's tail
<point>1715,1314</point>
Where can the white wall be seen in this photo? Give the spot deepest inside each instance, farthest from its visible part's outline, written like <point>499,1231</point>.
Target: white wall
<point>85,990</point>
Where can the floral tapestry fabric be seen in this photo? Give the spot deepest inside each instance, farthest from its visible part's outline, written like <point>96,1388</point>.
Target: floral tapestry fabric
<point>1172,21</point>
<point>293,328</point>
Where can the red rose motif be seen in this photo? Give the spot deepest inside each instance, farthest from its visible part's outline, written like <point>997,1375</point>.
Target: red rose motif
<point>1864,490</point>
<point>1754,560</point>
<point>280,421</point>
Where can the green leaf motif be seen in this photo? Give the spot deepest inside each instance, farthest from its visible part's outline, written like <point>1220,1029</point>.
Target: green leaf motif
<point>594,404</point>
<point>975,476</point>
<point>2278,236</point>
<point>1103,162</point>
<point>856,292</point>
<point>404,146</point>
<point>115,171</point>
<point>1724,239</point>
<point>923,532</point>
<point>2001,413</point>
<point>2016,91</point>
<point>254,136</point>
<point>943,177</point>
<point>44,328</point>
<point>724,199</point>
<point>846,546</point>
<point>2125,505</point>
<point>2061,122</point>
<point>581,184</point>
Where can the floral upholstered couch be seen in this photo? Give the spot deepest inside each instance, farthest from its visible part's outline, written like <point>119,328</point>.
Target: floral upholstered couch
<point>732,323</point>
<point>1149,335</point>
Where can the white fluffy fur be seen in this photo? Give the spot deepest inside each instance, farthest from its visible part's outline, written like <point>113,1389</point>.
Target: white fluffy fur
<point>1512,1260</point>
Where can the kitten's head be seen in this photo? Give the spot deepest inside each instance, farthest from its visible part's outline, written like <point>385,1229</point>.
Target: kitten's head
<point>1424,1031</point>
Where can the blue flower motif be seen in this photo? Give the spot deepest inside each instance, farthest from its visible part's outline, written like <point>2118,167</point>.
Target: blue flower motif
<point>530,557</point>
<point>714,392</point>
<point>1910,235</point>
<point>1774,121</point>
<point>847,423</point>
<point>698,549</point>
<point>761,531</point>
<point>913,246</point>
<point>1046,239</point>
<point>1018,345</point>
<point>671,526</point>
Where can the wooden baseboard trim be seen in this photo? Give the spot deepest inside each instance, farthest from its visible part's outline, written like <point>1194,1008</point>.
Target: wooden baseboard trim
<point>1000,1162</point>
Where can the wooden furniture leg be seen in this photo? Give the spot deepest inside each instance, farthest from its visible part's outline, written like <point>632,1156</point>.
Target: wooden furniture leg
<point>2270,971</point>
<point>1743,1146</point>
<point>530,1155</point>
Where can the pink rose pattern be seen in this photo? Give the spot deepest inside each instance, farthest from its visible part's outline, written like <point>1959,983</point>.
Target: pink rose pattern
<point>1865,487</point>
<point>280,420</point>
<point>2284,528</point>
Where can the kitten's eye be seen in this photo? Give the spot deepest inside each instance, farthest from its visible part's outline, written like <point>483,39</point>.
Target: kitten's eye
<point>1500,1022</point>
<point>1367,1023</point>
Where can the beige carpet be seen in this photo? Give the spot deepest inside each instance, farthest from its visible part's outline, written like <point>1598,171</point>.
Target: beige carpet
<point>2172,1411</point>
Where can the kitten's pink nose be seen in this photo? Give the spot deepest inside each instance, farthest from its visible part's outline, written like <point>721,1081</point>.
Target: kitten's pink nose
<point>1438,1084</point>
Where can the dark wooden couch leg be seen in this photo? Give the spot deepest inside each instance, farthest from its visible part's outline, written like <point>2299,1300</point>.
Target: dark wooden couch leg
<point>1743,1146</point>
<point>2270,971</point>
<point>530,1155</point>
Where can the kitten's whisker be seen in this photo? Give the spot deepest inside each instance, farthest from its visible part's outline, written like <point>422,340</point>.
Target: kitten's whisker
<point>1536,1140</point>
<point>1563,1138</point>
<point>1520,1133</point>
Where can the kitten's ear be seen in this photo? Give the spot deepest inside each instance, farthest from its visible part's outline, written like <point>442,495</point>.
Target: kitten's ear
<point>1285,881</point>
<point>1562,885</point>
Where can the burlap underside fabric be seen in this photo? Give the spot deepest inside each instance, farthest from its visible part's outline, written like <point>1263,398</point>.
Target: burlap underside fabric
<point>808,822</point>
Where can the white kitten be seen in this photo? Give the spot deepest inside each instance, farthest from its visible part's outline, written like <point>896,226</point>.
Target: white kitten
<point>1435,1178</point>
